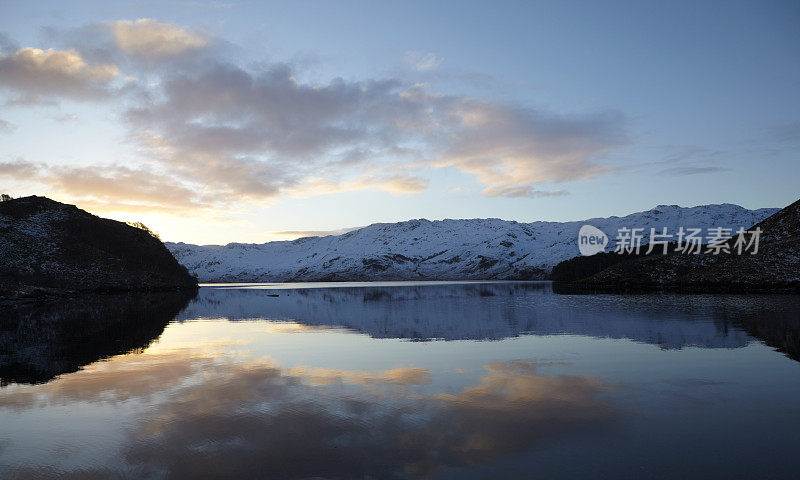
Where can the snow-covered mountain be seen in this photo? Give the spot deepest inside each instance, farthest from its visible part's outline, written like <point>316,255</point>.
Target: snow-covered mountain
<point>438,250</point>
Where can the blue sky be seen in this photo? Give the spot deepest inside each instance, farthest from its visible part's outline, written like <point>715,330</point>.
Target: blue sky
<point>241,121</point>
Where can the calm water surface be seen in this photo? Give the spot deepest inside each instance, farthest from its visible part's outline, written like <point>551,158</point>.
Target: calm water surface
<point>401,380</point>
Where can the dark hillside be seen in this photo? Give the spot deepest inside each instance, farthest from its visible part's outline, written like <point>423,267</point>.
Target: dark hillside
<point>47,247</point>
<point>775,267</point>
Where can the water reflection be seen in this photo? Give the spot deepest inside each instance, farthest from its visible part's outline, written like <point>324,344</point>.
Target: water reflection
<point>251,420</point>
<point>254,419</point>
<point>495,311</point>
<point>41,341</point>
<point>778,327</point>
<point>349,383</point>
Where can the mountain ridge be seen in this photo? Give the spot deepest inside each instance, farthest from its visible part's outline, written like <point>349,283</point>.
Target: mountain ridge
<point>421,249</point>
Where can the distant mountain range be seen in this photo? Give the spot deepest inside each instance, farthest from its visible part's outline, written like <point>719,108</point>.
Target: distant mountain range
<point>438,250</point>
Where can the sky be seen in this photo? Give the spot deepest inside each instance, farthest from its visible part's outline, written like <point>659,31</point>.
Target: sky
<point>217,122</point>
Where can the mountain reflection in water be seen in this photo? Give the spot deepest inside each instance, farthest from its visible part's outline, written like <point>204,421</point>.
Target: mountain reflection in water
<point>489,380</point>
<point>493,311</point>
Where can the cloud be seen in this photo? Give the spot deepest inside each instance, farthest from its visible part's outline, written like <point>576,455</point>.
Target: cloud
<point>6,127</point>
<point>684,171</point>
<point>117,183</point>
<point>315,233</point>
<point>789,132</point>
<point>33,72</point>
<point>247,135</point>
<point>512,149</point>
<point>67,117</point>
<point>150,39</point>
<point>110,187</point>
<point>27,100</point>
<point>422,61</point>
<point>259,134</point>
<point>7,45</point>
<point>688,153</point>
<point>18,169</point>
<point>522,191</point>
<point>682,160</point>
<point>394,183</point>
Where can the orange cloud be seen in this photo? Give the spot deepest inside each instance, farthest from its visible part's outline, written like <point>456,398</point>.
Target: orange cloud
<point>152,39</point>
<point>32,71</point>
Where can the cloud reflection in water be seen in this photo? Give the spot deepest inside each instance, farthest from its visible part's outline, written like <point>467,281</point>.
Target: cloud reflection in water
<point>217,416</point>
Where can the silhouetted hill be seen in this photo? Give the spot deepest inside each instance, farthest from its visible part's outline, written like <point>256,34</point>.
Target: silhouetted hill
<point>49,247</point>
<point>775,267</point>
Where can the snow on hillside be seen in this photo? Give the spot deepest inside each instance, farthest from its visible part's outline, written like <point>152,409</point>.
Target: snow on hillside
<point>437,250</point>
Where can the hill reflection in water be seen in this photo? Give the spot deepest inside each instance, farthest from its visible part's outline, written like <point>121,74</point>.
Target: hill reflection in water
<point>39,342</point>
<point>468,380</point>
<point>493,311</point>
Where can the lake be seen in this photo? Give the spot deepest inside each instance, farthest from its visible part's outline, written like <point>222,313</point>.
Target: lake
<point>434,380</point>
